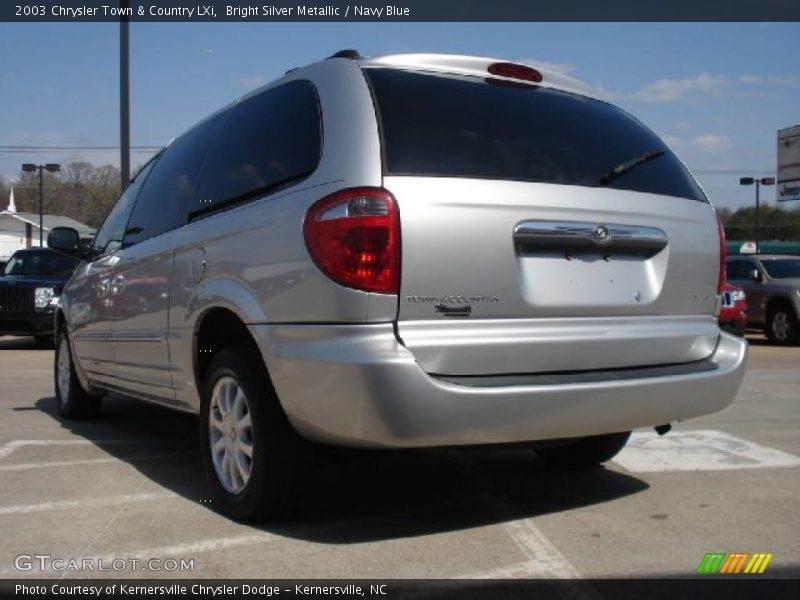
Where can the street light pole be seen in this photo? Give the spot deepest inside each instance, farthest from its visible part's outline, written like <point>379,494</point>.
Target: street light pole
<point>30,168</point>
<point>758,183</point>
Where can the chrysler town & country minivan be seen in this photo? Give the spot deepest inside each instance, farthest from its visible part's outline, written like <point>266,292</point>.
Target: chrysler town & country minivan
<point>401,252</point>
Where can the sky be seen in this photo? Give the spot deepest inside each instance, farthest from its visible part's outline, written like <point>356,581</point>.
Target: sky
<point>716,92</point>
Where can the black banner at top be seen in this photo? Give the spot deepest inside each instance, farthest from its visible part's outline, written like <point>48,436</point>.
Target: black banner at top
<point>398,10</point>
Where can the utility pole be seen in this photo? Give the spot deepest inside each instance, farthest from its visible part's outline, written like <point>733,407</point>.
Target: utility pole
<point>41,209</point>
<point>124,101</point>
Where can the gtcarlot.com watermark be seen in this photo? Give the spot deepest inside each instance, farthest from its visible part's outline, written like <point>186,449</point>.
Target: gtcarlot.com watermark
<point>48,562</point>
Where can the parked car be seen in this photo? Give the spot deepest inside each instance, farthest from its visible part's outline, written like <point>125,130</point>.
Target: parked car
<point>772,285</point>
<point>29,288</point>
<point>733,310</point>
<point>480,252</point>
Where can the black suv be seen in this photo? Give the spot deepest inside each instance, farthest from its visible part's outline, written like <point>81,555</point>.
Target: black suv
<point>29,288</point>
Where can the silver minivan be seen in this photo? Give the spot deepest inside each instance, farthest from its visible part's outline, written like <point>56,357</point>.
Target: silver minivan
<point>401,252</point>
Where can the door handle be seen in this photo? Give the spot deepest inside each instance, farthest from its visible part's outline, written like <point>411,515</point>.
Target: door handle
<point>570,236</point>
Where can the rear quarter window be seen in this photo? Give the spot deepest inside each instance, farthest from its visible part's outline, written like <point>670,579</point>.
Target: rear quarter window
<point>458,126</point>
<point>267,142</point>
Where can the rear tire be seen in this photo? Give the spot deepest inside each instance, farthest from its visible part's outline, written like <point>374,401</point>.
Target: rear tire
<point>72,399</point>
<point>250,450</point>
<point>585,453</point>
<point>782,326</point>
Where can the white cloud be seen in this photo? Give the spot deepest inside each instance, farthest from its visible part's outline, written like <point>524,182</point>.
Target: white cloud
<point>682,90</point>
<point>788,80</point>
<point>251,82</point>
<point>564,68</point>
<point>712,142</point>
<point>692,89</point>
<point>706,142</point>
<point>750,79</point>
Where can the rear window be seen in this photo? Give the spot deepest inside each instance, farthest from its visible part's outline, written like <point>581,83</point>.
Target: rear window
<point>454,126</point>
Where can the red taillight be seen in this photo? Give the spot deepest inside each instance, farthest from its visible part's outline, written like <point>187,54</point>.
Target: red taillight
<point>354,237</point>
<point>723,255</point>
<point>515,71</point>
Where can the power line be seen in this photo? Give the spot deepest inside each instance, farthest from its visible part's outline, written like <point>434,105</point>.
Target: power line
<point>52,149</point>
<point>731,171</point>
<point>83,147</point>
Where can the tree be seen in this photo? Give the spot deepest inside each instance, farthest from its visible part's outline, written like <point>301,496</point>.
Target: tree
<point>777,223</point>
<point>81,191</point>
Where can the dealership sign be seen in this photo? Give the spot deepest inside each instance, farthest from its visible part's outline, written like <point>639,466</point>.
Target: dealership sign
<point>788,164</point>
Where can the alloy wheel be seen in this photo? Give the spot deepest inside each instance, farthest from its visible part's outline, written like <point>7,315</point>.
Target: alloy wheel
<point>781,326</point>
<point>230,434</point>
<point>64,370</point>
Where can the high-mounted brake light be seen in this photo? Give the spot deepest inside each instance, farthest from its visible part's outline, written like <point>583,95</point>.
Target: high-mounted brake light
<point>515,71</point>
<point>723,255</point>
<point>354,238</point>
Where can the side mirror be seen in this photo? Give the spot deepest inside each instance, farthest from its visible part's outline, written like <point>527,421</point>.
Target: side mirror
<point>756,275</point>
<point>65,240</point>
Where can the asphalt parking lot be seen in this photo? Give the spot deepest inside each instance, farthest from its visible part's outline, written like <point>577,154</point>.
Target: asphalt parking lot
<point>130,485</point>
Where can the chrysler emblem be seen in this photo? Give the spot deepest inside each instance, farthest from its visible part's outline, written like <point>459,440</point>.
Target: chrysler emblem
<point>601,234</point>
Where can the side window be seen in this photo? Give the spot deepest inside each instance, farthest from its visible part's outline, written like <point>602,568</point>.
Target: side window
<point>268,141</point>
<point>740,269</point>
<point>109,237</point>
<point>164,198</point>
<point>733,269</point>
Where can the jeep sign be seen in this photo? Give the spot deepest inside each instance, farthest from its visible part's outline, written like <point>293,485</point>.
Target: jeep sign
<point>788,187</point>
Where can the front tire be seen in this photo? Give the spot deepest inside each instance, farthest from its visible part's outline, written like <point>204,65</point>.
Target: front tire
<point>782,327</point>
<point>585,453</point>
<point>72,399</point>
<point>249,448</point>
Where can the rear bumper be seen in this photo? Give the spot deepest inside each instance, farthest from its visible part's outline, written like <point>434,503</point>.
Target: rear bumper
<point>356,385</point>
<point>39,323</point>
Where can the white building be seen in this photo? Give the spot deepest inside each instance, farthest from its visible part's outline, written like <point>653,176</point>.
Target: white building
<point>21,230</point>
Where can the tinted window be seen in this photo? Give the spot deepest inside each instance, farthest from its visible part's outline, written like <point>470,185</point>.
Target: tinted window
<point>172,185</point>
<point>736,269</point>
<point>467,127</point>
<point>267,141</point>
<point>741,269</point>
<point>782,268</point>
<point>109,237</point>
<point>40,264</point>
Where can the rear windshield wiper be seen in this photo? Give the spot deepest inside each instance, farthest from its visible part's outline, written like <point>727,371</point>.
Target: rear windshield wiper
<point>627,166</point>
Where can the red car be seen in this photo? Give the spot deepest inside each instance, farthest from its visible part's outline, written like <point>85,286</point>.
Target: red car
<point>733,314</point>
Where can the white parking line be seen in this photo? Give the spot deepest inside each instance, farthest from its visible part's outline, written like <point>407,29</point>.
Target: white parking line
<point>549,562</point>
<point>90,461</point>
<point>9,448</point>
<point>91,502</point>
<point>544,559</point>
<point>523,570</point>
<point>703,450</point>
